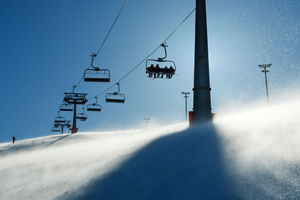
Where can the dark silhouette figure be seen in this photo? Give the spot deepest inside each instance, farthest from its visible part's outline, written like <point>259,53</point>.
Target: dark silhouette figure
<point>156,71</point>
<point>13,139</point>
<point>150,70</point>
<point>172,72</point>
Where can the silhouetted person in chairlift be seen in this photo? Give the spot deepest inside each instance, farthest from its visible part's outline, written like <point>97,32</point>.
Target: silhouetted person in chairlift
<point>150,70</point>
<point>13,139</point>
<point>165,71</point>
<point>172,71</point>
<point>156,71</point>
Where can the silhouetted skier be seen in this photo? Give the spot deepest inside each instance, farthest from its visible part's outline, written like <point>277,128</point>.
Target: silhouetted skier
<point>13,139</point>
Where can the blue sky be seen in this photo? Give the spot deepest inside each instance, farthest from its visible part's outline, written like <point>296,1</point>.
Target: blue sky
<point>45,46</point>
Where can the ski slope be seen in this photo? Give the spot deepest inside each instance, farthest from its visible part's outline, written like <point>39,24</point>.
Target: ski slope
<point>253,153</point>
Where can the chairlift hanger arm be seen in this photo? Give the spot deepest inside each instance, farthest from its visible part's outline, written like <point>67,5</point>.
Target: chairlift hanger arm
<point>118,84</point>
<point>74,87</point>
<point>93,56</point>
<point>164,45</point>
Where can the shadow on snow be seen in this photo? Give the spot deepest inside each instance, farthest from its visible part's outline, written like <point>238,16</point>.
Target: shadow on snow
<point>184,165</point>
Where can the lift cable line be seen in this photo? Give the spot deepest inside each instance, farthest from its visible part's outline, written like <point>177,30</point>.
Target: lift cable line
<point>107,35</point>
<point>149,55</point>
<point>112,26</point>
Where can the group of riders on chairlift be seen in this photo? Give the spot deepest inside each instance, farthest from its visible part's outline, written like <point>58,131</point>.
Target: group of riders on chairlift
<point>158,72</point>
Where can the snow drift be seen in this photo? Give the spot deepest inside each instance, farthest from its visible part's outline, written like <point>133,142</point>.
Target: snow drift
<point>250,154</point>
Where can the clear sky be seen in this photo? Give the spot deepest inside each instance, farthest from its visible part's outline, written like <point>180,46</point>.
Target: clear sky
<point>45,46</point>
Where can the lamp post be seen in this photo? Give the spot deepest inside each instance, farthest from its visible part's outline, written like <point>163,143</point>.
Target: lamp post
<point>186,96</point>
<point>265,70</point>
<point>147,119</point>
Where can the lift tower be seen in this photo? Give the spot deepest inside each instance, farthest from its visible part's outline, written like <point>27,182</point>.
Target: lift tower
<point>202,102</point>
<point>75,99</point>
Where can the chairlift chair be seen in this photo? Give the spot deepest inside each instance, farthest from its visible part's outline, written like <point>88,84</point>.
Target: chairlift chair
<point>95,74</point>
<point>66,107</point>
<point>75,98</point>
<point>55,129</point>
<point>59,120</point>
<point>82,116</point>
<point>157,68</point>
<point>66,123</point>
<point>115,97</point>
<point>94,106</point>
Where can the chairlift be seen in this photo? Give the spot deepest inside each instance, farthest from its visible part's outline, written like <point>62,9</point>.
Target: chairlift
<point>66,123</point>
<point>55,129</point>
<point>66,107</point>
<point>59,119</point>
<point>115,97</point>
<point>95,74</point>
<point>82,116</point>
<point>160,67</point>
<point>94,106</point>
<point>75,98</point>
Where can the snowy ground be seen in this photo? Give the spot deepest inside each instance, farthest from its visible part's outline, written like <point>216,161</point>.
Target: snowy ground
<point>252,154</point>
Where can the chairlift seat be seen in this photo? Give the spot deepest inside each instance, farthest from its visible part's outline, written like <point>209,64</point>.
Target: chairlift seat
<point>108,100</point>
<point>93,108</point>
<point>66,107</point>
<point>81,118</point>
<point>96,75</point>
<point>153,66</point>
<point>59,121</point>
<point>115,98</point>
<point>55,129</point>
<point>75,98</point>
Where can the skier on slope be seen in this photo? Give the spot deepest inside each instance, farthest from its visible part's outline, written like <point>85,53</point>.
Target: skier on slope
<point>13,139</point>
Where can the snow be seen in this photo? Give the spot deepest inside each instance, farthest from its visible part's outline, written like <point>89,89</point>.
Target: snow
<point>252,153</point>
